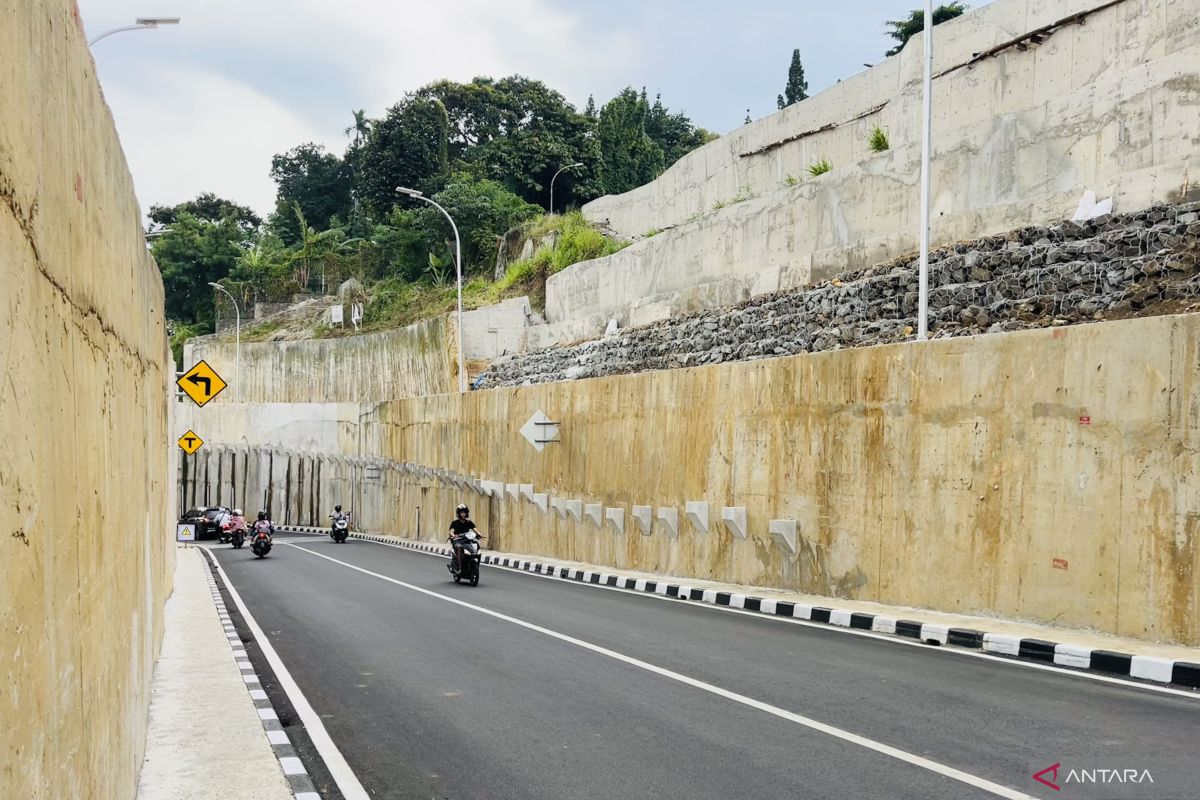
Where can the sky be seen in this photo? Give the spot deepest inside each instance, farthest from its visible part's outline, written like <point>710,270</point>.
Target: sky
<point>203,106</point>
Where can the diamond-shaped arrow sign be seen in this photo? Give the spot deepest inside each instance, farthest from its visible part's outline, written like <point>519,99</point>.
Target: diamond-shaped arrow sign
<point>540,430</point>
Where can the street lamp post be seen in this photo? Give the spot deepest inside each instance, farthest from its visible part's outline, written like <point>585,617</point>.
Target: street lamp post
<point>462,369</point>
<point>140,24</point>
<point>926,158</point>
<point>568,166</point>
<point>237,338</point>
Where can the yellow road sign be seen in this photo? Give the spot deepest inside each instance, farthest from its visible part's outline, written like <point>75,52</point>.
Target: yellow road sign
<point>201,383</point>
<point>190,443</point>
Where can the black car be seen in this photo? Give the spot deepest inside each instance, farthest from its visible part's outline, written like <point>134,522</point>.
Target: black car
<point>208,520</point>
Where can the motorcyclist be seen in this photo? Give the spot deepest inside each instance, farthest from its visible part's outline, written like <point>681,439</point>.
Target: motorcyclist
<point>338,515</point>
<point>237,521</point>
<point>264,525</point>
<point>461,525</point>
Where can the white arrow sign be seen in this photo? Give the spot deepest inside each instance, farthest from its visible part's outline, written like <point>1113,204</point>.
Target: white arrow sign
<point>537,430</point>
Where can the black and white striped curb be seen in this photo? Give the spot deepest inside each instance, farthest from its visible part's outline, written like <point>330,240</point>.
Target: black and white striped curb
<point>293,769</point>
<point>1149,668</point>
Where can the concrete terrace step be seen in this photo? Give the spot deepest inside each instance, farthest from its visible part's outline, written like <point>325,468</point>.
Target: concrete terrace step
<point>1081,650</point>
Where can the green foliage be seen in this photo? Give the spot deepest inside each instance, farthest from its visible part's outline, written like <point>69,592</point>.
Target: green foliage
<point>791,180</point>
<point>408,147</point>
<point>629,158</point>
<point>820,167</point>
<point>191,253</point>
<point>207,207</point>
<point>904,29</point>
<point>650,234</point>
<point>578,241</point>
<point>318,182</point>
<point>797,85</point>
<point>745,193</point>
<point>180,333</point>
<point>878,140</point>
<point>717,206</point>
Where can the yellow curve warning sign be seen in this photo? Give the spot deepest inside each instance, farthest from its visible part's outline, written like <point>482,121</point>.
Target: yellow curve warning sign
<point>201,383</point>
<point>190,443</point>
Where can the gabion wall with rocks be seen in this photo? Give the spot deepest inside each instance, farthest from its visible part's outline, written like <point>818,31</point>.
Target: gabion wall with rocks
<point>1111,267</point>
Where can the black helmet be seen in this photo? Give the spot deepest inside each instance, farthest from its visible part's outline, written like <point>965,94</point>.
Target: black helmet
<point>462,509</point>
<point>262,515</point>
<point>337,508</point>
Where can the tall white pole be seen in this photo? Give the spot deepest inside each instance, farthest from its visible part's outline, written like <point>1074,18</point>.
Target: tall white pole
<point>237,378</point>
<point>926,158</point>
<point>462,369</point>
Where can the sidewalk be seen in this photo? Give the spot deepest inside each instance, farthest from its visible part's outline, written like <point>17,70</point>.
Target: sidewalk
<point>1067,647</point>
<point>206,739</point>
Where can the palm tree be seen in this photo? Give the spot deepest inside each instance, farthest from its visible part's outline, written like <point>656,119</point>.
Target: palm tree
<point>360,128</point>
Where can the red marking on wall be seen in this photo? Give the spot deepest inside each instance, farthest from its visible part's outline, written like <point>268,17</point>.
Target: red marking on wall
<point>1059,563</point>
<point>1058,333</point>
<point>1085,420</point>
<point>78,187</point>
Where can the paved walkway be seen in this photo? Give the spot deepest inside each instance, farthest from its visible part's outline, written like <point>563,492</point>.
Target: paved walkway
<point>206,739</point>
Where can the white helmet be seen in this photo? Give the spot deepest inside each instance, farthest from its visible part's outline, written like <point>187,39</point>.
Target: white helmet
<point>237,512</point>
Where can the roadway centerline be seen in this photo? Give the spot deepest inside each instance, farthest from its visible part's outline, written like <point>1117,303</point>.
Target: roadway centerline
<point>812,724</point>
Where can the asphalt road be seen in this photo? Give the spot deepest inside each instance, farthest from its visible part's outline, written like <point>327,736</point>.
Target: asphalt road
<point>571,691</point>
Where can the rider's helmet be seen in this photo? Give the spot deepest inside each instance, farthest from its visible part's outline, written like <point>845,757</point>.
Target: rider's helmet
<point>462,510</point>
<point>337,509</point>
<point>237,512</point>
<point>262,515</point>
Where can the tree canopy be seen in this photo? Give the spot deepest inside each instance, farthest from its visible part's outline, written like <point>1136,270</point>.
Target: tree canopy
<point>485,150</point>
<point>904,29</point>
<point>797,85</point>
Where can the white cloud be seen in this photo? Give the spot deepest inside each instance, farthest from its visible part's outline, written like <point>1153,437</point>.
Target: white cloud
<point>204,106</point>
<point>186,131</point>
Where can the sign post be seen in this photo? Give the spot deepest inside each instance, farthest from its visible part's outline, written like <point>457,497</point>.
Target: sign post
<point>185,532</point>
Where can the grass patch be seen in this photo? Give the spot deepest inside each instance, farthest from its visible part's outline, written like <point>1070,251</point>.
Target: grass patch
<point>262,331</point>
<point>878,141</point>
<point>821,167</point>
<point>791,180</point>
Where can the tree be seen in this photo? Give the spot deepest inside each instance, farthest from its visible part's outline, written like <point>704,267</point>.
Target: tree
<point>209,208</point>
<point>904,29</point>
<point>408,147</point>
<point>797,85</point>
<point>192,253</point>
<point>484,211</point>
<point>316,181</point>
<point>674,133</point>
<point>629,158</point>
<point>589,110</point>
<point>359,130</point>
<point>515,131</point>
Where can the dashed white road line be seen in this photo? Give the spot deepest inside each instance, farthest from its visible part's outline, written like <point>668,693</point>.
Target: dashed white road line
<point>812,724</point>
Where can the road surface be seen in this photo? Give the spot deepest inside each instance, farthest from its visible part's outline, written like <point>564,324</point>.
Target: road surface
<point>534,688</point>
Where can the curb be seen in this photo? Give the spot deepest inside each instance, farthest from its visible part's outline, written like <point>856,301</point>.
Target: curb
<point>289,761</point>
<point>1108,662</point>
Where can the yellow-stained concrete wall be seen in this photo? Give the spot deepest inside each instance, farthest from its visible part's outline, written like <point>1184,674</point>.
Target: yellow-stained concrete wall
<point>1051,475</point>
<point>85,553</point>
<point>407,362</point>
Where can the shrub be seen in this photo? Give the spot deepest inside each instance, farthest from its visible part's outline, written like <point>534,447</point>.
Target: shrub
<point>791,180</point>
<point>878,140</point>
<point>820,168</point>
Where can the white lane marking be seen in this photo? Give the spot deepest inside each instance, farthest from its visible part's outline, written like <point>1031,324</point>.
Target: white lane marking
<point>838,733</point>
<point>347,782</point>
<point>882,636</point>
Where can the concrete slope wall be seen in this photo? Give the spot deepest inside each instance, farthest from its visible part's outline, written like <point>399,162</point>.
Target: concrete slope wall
<point>1112,105</point>
<point>85,553</point>
<point>421,359</point>
<point>406,362</point>
<point>1048,475</point>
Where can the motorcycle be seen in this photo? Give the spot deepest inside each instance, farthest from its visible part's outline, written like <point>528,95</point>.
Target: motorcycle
<point>469,555</point>
<point>261,543</point>
<point>224,536</point>
<point>238,537</point>
<point>341,530</point>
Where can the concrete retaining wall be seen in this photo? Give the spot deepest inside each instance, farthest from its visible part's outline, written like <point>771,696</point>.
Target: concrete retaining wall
<point>1111,105</point>
<point>86,556</point>
<point>1047,475</point>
